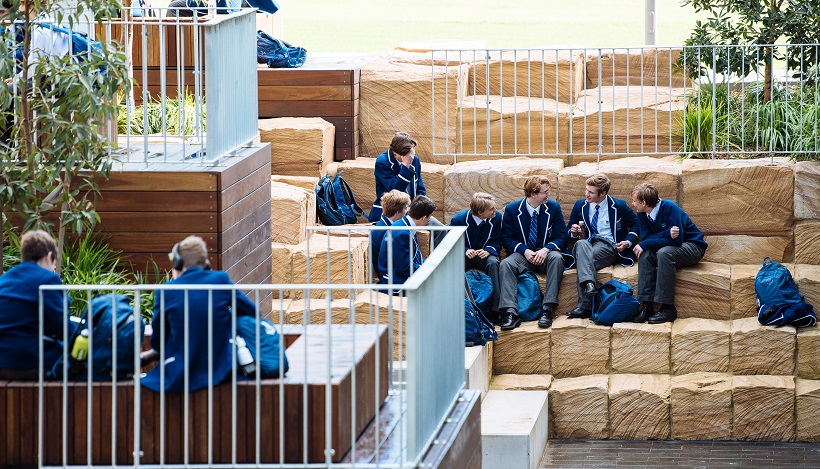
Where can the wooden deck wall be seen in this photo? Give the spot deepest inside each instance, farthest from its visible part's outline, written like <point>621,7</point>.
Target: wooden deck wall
<point>145,211</point>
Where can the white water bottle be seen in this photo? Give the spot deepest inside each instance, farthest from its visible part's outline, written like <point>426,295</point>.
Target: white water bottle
<point>244,357</point>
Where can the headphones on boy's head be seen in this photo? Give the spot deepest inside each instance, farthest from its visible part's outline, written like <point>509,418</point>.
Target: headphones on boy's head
<point>178,263</point>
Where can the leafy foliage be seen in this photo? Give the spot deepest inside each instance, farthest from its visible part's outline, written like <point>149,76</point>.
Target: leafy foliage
<point>52,152</point>
<point>180,117</point>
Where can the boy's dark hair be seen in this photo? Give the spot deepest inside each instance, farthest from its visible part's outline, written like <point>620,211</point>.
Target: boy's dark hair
<point>402,143</point>
<point>422,206</point>
<point>35,245</point>
<point>599,181</point>
<point>646,193</point>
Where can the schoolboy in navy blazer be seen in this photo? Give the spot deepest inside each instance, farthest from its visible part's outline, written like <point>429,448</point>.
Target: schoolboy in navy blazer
<point>395,204</point>
<point>191,269</point>
<point>406,253</point>
<point>19,310</point>
<point>483,240</point>
<point>669,239</point>
<point>607,240</point>
<point>538,253</point>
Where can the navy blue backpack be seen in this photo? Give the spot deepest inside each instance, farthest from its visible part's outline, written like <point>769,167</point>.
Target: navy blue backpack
<point>335,202</point>
<point>774,285</point>
<point>278,53</point>
<point>478,330</point>
<point>529,296</point>
<point>270,344</point>
<point>614,303</point>
<point>109,311</point>
<point>481,286</point>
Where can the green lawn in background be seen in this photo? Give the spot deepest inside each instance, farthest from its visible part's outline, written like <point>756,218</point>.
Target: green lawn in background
<point>380,25</point>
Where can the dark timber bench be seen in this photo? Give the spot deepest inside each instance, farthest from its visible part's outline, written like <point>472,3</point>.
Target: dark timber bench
<point>19,411</point>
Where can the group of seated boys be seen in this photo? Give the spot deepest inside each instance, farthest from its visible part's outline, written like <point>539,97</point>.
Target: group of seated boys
<point>603,231</point>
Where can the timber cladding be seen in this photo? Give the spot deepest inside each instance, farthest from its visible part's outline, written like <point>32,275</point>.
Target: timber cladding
<point>144,211</point>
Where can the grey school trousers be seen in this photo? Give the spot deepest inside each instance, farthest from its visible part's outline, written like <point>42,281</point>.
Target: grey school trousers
<point>515,264</point>
<point>589,257</point>
<point>656,271</point>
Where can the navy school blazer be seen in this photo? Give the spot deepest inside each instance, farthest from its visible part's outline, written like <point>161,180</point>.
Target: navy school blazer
<point>391,174</point>
<point>487,237</point>
<point>552,231</point>
<point>401,253</point>
<point>622,222</point>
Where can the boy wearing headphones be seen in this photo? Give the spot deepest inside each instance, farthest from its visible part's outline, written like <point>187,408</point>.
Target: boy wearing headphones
<point>203,332</point>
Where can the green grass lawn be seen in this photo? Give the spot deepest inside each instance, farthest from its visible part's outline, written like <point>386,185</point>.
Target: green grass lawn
<point>380,25</point>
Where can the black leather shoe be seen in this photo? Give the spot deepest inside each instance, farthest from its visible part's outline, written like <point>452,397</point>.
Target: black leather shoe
<point>588,289</point>
<point>545,320</point>
<point>579,313</point>
<point>644,313</point>
<point>667,313</point>
<point>511,320</point>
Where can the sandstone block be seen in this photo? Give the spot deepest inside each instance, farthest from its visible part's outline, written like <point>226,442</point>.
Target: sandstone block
<point>511,382</point>
<point>806,188</point>
<point>639,66</point>
<point>702,290</point>
<point>700,345</point>
<point>398,95</point>
<point>808,353</point>
<point>305,182</point>
<point>579,347</point>
<point>292,210</point>
<point>709,186</point>
<point>743,249</point>
<point>762,350</point>
<point>502,178</point>
<point>315,311</point>
<point>640,348</point>
<point>763,408</point>
<point>807,242</point>
<point>568,291</point>
<point>625,174</point>
<point>701,406</point>
<point>744,304</point>
<point>628,275</point>
<point>517,73</point>
<point>632,120</point>
<point>807,278</point>
<point>299,146</point>
<point>282,265</point>
<point>807,394</point>
<point>523,351</point>
<point>579,407</point>
<point>348,263</point>
<point>518,126</point>
<point>639,407</point>
<point>372,307</point>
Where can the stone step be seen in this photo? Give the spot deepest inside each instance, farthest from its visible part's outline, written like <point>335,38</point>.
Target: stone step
<point>478,364</point>
<point>694,406</point>
<point>513,429</point>
<point>578,347</point>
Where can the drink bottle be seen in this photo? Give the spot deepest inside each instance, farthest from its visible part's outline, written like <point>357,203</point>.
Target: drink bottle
<point>244,357</point>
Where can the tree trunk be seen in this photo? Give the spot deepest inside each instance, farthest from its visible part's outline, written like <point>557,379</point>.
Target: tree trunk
<point>61,238</point>
<point>769,56</point>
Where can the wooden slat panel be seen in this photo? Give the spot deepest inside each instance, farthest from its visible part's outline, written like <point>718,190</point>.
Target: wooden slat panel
<point>283,77</point>
<point>120,201</point>
<point>149,427</point>
<point>345,139</point>
<point>78,395</point>
<point>28,432</point>
<point>156,242</point>
<point>256,259</point>
<point>13,422</point>
<point>173,36</point>
<point>241,167</point>
<point>53,424</point>
<point>198,426</point>
<point>159,181</point>
<point>342,154</point>
<point>102,417</point>
<point>258,216</point>
<point>125,422</point>
<point>259,236</point>
<point>173,444</point>
<point>344,124</point>
<point>306,93</point>
<point>308,108</point>
<point>239,210</point>
<point>245,186</point>
<point>143,222</point>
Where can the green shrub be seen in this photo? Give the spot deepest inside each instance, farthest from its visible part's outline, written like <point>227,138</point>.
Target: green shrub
<point>180,117</point>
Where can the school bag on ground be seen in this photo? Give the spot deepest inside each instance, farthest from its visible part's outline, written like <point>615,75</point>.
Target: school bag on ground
<point>481,286</point>
<point>109,311</point>
<point>613,302</point>
<point>774,285</point>
<point>478,330</point>
<point>335,202</point>
<point>270,344</point>
<point>529,296</point>
<point>779,303</point>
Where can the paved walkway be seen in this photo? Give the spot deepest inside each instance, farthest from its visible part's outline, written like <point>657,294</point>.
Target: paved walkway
<point>568,454</point>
